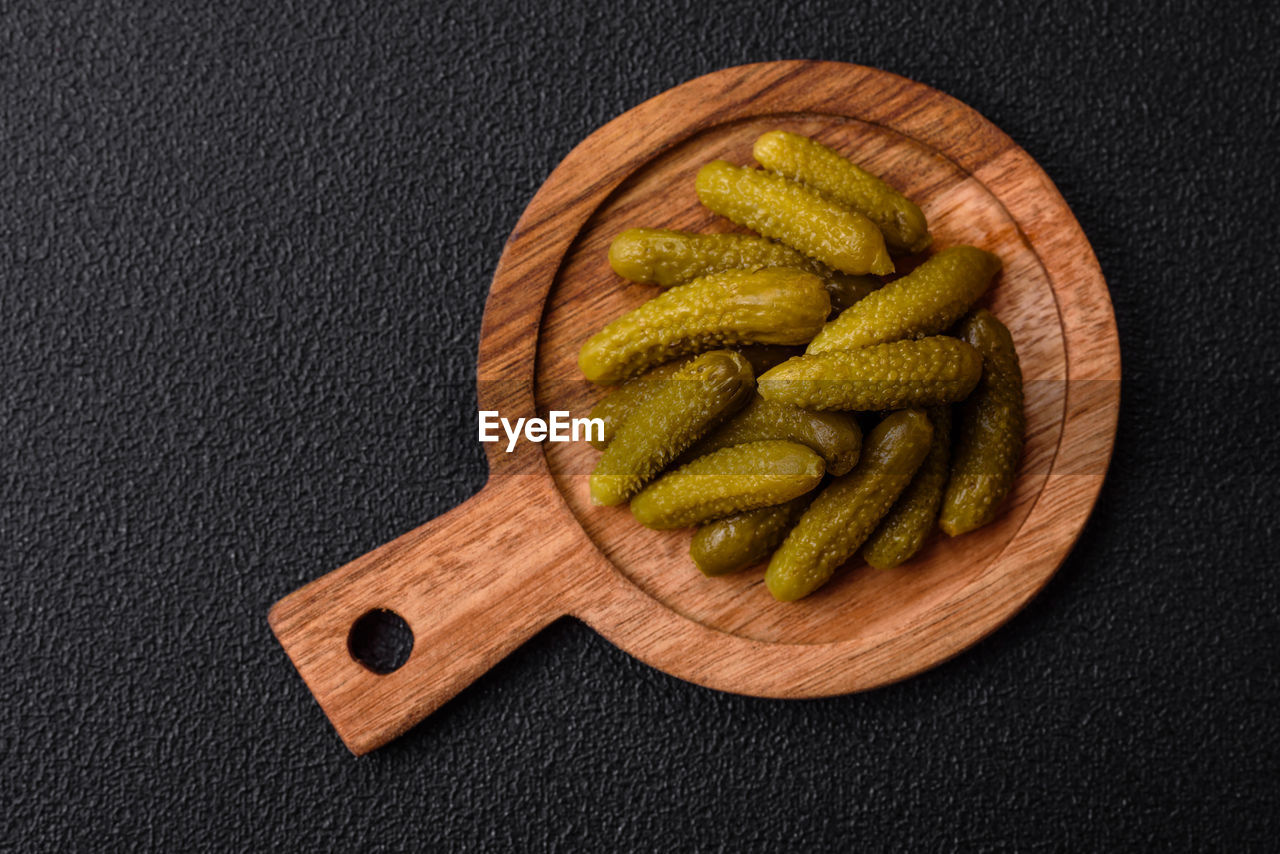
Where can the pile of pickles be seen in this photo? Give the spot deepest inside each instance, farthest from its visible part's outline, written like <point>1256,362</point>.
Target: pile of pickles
<point>718,419</point>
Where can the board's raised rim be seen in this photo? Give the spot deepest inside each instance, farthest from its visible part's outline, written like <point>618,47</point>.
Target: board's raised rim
<point>643,626</point>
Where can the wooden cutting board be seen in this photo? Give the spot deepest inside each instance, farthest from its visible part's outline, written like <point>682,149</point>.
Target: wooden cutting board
<point>529,548</point>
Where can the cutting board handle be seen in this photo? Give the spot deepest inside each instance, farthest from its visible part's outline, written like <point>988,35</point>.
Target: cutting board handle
<point>471,585</point>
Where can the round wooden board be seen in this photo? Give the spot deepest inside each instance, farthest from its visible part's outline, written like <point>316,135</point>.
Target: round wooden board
<point>530,547</point>
<point>860,602</point>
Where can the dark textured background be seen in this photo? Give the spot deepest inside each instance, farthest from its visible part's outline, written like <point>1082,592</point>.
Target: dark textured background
<point>243,254</point>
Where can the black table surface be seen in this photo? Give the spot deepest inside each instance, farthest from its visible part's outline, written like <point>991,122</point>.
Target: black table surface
<point>244,250</point>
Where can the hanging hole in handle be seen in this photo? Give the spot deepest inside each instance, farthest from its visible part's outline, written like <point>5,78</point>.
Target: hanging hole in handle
<point>380,640</point>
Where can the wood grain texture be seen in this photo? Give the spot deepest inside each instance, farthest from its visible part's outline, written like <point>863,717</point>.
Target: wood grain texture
<point>529,548</point>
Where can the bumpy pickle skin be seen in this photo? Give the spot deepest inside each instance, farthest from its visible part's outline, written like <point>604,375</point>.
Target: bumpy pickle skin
<point>928,372</point>
<point>813,164</point>
<point>844,514</point>
<point>990,429</point>
<point>774,306</point>
<point>743,539</point>
<point>667,258</point>
<point>613,408</point>
<point>664,257</point>
<point>693,401</point>
<point>904,530</point>
<point>791,213</point>
<point>926,301</point>
<point>731,480</point>
<point>834,435</point>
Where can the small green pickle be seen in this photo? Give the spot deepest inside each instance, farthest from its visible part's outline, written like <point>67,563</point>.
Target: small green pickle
<point>814,165</point>
<point>691,402</point>
<point>774,306</point>
<point>613,408</point>
<point>664,257</point>
<point>803,219</point>
<point>667,258</point>
<point>743,539</point>
<point>834,435</point>
<point>900,374</point>
<point>989,430</point>
<point>902,533</point>
<point>926,301</point>
<point>845,513</point>
<point>728,481</point>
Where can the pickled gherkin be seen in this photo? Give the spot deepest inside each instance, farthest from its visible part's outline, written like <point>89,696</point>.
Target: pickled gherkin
<point>989,430</point>
<point>613,408</point>
<point>844,514</point>
<point>814,165</point>
<point>738,541</point>
<point>927,372</point>
<point>694,400</point>
<point>834,435</point>
<point>775,306</point>
<point>663,257</point>
<point>784,210</point>
<point>914,515</point>
<point>926,301</point>
<point>731,480</point>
